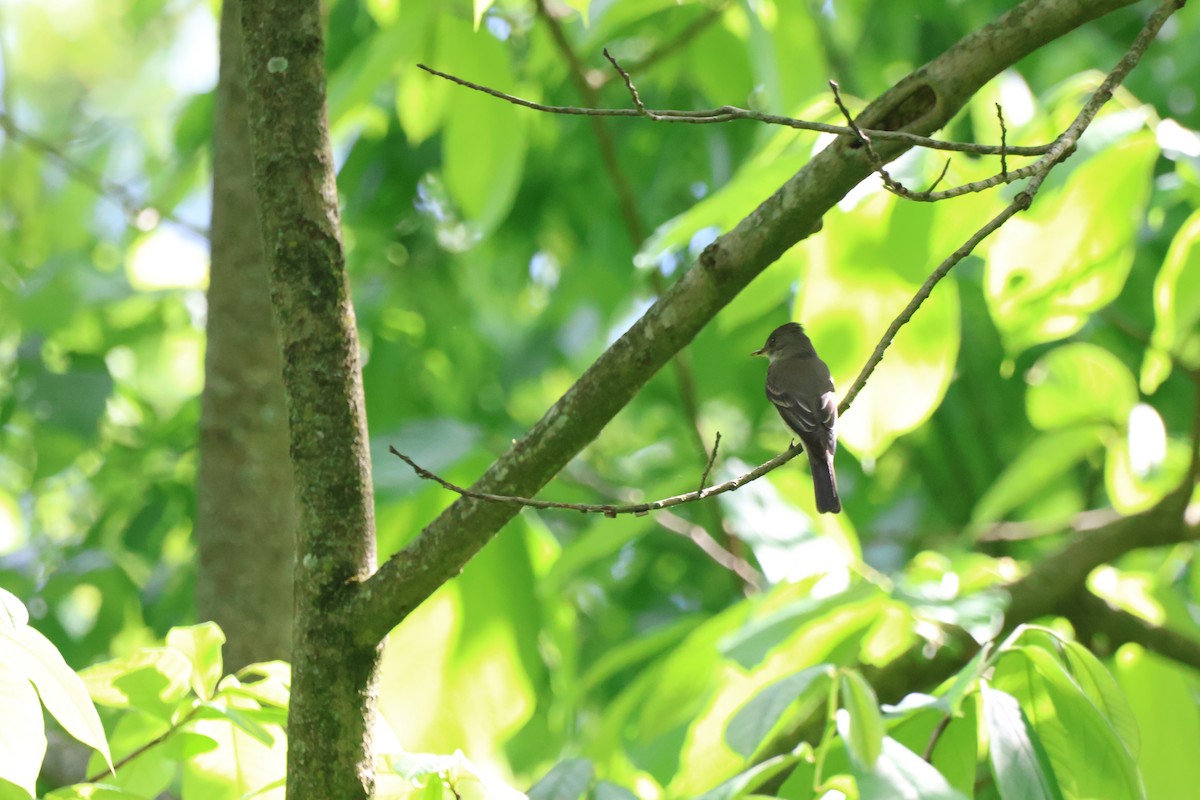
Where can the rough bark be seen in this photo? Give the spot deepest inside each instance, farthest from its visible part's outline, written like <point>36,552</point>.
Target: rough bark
<point>921,103</point>
<point>332,707</point>
<point>245,507</point>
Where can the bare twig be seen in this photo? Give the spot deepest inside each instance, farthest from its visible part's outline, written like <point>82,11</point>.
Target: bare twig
<point>943,723</point>
<point>712,548</point>
<point>708,544</point>
<point>729,113</point>
<point>157,740</point>
<point>633,92</point>
<point>1003,142</point>
<point>876,162</point>
<point>945,169</point>
<point>607,509</point>
<point>711,459</point>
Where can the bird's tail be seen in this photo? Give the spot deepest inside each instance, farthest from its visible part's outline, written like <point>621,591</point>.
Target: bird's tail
<point>824,482</point>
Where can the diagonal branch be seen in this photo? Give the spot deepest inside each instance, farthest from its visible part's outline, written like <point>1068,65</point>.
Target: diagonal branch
<point>1091,615</point>
<point>921,104</point>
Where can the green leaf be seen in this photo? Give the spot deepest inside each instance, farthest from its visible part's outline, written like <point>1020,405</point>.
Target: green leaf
<point>610,791</point>
<point>202,646</point>
<point>23,733</point>
<point>481,7</point>
<point>152,680</point>
<point>1037,469</point>
<point>1079,383</point>
<point>901,773</point>
<point>856,281</point>
<point>239,765</point>
<point>1176,307</point>
<point>751,725</point>
<point>1138,482</point>
<point>569,779</point>
<point>483,146</point>
<point>860,722</point>
<point>1019,763</point>
<point>742,784</point>
<point>1102,689</point>
<point>1088,755</point>
<point>31,654</point>
<point>1162,695</point>
<point>1069,255</point>
<point>13,614</point>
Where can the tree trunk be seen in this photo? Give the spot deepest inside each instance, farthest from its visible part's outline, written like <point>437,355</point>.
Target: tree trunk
<point>333,707</point>
<point>245,514</point>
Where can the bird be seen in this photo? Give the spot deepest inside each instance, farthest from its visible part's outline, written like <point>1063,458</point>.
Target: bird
<point>801,389</point>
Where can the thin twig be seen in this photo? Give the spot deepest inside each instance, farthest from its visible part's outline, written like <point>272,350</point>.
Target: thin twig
<point>711,459</point>
<point>729,113</point>
<point>708,544</point>
<point>633,92</point>
<point>945,169</point>
<point>877,163</point>
<point>607,509</point>
<point>1003,142</point>
<point>943,723</point>
<point>157,740</point>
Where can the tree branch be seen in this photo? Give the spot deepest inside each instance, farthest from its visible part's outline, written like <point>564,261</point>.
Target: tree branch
<point>1091,616</point>
<point>921,103</point>
<point>721,114</point>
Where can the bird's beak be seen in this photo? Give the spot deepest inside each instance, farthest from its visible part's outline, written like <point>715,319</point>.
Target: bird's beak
<point>759,352</point>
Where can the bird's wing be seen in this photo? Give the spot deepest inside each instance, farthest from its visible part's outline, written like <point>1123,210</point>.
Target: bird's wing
<point>801,414</point>
<point>807,405</point>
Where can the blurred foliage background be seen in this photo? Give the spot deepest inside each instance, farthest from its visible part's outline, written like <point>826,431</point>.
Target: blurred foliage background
<point>492,257</point>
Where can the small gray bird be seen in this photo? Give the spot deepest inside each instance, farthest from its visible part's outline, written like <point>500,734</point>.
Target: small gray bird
<point>799,384</point>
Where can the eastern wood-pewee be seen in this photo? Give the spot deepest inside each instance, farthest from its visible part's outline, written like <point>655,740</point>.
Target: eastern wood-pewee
<point>799,384</point>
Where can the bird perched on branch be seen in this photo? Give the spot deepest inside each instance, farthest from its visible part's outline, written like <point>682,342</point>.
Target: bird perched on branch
<point>799,384</point>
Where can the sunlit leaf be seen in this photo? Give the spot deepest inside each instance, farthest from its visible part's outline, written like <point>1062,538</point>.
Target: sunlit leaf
<point>153,680</point>
<point>1079,383</point>
<point>27,652</point>
<point>568,780</point>
<point>1158,691</point>
<point>1019,763</point>
<point>750,726</point>
<point>23,734</point>
<point>1069,255</point>
<point>861,724</point>
<point>1088,756</point>
<point>1176,307</point>
<point>856,280</point>
<point>13,614</point>
<point>202,645</point>
<point>485,139</point>
<point>743,784</point>
<point>899,772</point>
